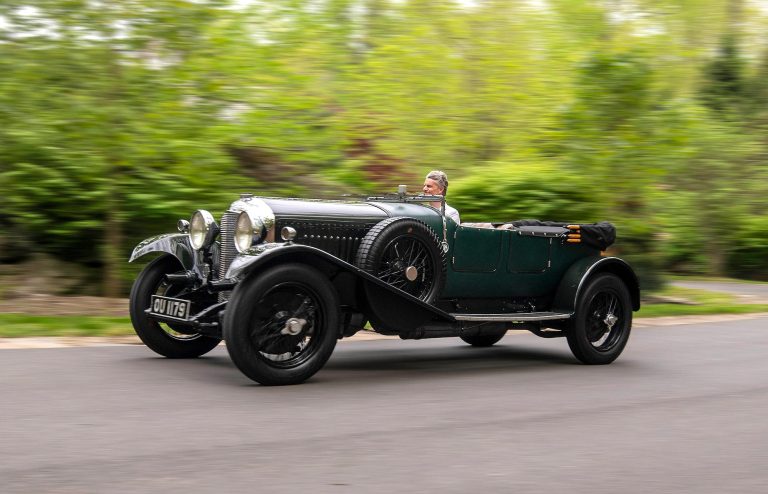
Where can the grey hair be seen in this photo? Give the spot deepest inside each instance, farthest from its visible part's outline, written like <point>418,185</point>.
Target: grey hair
<point>441,178</point>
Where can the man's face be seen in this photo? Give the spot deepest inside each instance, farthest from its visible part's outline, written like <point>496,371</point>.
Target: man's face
<point>432,188</point>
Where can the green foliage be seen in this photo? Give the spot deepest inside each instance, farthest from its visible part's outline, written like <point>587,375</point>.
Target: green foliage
<point>352,172</point>
<point>638,241</point>
<point>725,86</point>
<point>682,236</point>
<point>615,132</point>
<point>748,254</point>
<point>98,138</point>
<point>501,192</point>
<point>117,118</point>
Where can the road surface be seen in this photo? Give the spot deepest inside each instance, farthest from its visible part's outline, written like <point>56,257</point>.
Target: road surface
<point>684,409</point>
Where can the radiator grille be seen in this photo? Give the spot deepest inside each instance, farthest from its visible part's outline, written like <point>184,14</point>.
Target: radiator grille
<point>228,250</point>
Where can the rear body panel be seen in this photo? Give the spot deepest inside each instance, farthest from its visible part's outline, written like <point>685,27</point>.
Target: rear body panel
<point>503,263</point>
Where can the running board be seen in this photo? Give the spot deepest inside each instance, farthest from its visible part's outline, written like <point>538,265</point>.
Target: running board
<point>514,317</point>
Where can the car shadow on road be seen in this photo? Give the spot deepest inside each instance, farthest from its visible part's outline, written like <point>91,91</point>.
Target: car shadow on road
<point>374,367</point>
<point>385,362</point>
<point>454,358</point>
<point>388,361</point>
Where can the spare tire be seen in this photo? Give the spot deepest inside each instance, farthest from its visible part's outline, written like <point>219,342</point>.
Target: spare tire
<point>406,254</point>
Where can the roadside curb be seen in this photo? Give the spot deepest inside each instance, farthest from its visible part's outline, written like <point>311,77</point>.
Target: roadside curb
<point>66,342</point>
<point>648,322</point>
<point>104,341</point>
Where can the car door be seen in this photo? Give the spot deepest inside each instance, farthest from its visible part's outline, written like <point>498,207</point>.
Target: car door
<point>528,253</point>
<point>477,250</point>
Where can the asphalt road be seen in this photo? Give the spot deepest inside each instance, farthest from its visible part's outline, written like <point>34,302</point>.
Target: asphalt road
<point>683,410</point>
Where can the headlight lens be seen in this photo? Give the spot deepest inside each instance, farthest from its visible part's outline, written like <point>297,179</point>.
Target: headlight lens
<point>249,230</point>
<point>202,229</point>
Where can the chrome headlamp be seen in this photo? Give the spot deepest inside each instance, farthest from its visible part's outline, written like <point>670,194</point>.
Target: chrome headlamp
<point>203,229</point>
<point>249,230</point>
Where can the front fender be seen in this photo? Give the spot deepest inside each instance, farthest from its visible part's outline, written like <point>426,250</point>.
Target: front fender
<point>176,244</point>
<point>575,278</point>
<point>254,257</point>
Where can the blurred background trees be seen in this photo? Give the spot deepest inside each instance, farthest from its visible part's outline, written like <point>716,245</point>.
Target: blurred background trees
<point>120,117</point>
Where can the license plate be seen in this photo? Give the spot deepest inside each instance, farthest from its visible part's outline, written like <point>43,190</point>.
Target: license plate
<point>174,308</point>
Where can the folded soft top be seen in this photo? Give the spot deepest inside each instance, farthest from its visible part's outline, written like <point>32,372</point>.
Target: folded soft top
<point>598,235</point>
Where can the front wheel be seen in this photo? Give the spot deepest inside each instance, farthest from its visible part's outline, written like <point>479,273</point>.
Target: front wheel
<point>165,339</point>
<point>603,320</point>
<point>281,325</point>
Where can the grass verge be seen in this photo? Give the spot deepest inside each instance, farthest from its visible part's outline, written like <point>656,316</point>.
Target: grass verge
<point>716,279</point>
<point>696,302</point>
<point>662,310</point>
<point>23,325</point>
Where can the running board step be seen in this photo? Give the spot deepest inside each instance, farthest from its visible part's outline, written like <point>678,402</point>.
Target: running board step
<point>515,317</point>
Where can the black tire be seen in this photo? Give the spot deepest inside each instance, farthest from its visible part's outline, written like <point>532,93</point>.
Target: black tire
<point>483,340</point>
<point>168,341</point>
<point>592,336</point>
<point>397,244</point>
<point>263,306</point>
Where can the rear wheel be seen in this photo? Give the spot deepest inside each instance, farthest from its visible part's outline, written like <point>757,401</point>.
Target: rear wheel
<point>281,325</point>
<point>172,341</point>
<point>603,320</point>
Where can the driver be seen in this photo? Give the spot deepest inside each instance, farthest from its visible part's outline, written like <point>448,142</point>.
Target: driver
<point>436,184</point>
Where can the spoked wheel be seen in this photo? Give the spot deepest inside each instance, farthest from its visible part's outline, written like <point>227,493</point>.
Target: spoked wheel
<point>602,319</point>
<point>405,254</point>
<point>281,326</point>
<point>284,322</point>
<point>169,340</point>
<point>602,322</point>
<point>405,265</point>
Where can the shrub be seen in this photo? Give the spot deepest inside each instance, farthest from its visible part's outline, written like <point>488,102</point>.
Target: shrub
<point>505,192</point>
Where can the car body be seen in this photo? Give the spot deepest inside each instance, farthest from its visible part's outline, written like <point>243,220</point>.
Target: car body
<point>281,280</point>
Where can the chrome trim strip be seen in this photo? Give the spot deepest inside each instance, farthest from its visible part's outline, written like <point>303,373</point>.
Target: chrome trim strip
<point>522,316</point>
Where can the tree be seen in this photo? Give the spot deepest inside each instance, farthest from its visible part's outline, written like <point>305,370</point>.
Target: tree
<point>724,87</point>
<point>104,132</point>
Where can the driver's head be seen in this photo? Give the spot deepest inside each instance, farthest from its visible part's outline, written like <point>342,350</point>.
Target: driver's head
<point>436,183</point>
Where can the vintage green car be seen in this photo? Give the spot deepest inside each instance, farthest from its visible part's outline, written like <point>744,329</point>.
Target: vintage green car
<point>281,280</point>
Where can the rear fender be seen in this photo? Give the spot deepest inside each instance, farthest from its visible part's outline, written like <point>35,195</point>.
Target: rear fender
<point>356,288</point>
<point>576,277</point>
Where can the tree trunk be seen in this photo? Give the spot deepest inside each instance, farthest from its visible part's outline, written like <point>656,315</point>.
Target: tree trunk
<point>112,255</point>
<point>113,242</point>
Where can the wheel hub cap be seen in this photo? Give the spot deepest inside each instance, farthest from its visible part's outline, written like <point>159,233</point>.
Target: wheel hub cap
<point>293,326</point>
<point>411,273</point>
<point>610,320</point>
